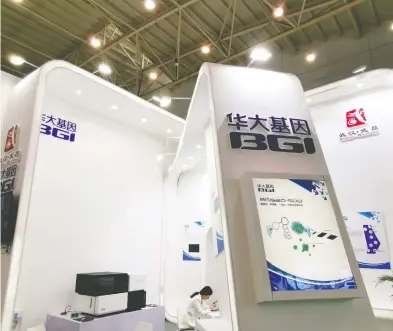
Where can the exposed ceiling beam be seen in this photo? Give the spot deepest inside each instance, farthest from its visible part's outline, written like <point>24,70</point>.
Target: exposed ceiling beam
<point>27,46</point>
<point>353,20</point>
<point>42,18</point>
<point>153,21</point>
<point>249,29</point>
<point>274,38</point>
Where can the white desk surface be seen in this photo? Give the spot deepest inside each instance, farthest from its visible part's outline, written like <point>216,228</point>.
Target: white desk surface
<point>214,324</point>
<point>126,321</point>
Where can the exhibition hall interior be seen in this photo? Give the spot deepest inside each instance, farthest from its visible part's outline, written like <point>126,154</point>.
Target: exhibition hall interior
<point>207,165</point>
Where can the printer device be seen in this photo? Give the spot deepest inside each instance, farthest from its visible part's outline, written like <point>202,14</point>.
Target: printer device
<point>103,293</point>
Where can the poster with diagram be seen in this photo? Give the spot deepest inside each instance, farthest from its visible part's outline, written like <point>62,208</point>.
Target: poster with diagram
<point>302,242</point>
<point>192,239</point>
<point>366,230</point>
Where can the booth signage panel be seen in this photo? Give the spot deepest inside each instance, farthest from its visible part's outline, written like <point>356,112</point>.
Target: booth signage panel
<point>304,250</point>
<point>277,134</point>
<point>58,127</point>
<point>368,237</point>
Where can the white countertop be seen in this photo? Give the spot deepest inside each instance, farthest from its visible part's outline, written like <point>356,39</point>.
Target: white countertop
<point>214,324</point>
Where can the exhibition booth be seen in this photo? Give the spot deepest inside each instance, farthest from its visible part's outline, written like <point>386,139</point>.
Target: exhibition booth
<point>353,121</point>
<point>247,205</point>
<point>89,184</point>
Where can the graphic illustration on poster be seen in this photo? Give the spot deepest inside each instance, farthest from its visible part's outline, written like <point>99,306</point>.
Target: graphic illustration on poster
<point>297,217</point>
<point>368,237</point>
<point>277,134</point>
<point>357,126</point>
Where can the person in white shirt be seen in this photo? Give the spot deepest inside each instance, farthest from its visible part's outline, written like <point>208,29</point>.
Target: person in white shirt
<point>197,308</point>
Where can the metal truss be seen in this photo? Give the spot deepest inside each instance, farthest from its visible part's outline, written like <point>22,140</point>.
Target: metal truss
<point>290,29</point>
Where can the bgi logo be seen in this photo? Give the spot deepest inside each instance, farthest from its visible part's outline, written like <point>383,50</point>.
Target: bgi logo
<point>273,142</point>
<point>279,136</point>
<point>58,128</point>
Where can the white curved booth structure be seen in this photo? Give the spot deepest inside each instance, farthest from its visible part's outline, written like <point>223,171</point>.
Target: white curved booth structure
<point>90,190</point>
<point>247,206</point>
<point>353,119</point>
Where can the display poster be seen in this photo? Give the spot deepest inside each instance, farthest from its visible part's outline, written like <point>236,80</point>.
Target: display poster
<point>302,242</point>
<point>192,238</point>
<point>368,237</point>
<point>217,227</point>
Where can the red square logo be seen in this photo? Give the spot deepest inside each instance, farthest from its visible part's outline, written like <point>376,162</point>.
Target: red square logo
<point>355,117</point>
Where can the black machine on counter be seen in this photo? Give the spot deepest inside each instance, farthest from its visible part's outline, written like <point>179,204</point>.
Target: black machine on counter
<point>104,293</point>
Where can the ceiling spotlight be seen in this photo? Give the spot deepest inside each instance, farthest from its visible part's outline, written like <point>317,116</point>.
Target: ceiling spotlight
<point>310,57</point>
<point>205,49</point>
<point>114,107</point>
<point>104,69</point>
<point>153,75</point>
<point>78,92</point>
<point>160,157</point>
<point>165,101</point>
<point>359,85</point>
<point>260,54</point>
<point>278,11</point>
<point>17,1</point>
<point>169,131</point>
<point>95,42</point>
<point>308,100</point>
<point>198,146</point>
<point>150,4</point>
<point>144,120</point>
<point>359,70</point>
<point>17,60</point>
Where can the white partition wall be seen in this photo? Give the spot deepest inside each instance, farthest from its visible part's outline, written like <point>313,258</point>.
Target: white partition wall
<point>260,124</point>
<point>353,119</point>
<point>91,190</point>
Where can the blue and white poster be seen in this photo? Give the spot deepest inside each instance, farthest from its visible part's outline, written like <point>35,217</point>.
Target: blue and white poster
<point>193,234</point>
<point>302,242</point>
<point>368,237</point>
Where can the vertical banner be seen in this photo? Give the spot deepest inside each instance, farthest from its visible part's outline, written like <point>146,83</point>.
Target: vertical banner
<point>368,237</point>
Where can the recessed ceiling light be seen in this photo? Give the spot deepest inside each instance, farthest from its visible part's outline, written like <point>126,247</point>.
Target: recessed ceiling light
<point>308,100</point>
<point>114,107</point>
<point>165,101</point>
<point>104,69</point>
<point>160,157</point>
<point>153,75</point>
<point>191,158</point>
<point>391,26</point>
<point>144,120</point>
<point>260,54</point>
<point>169,131</point>
<point>95,42</point>
<point>78,92</point>
<point>150,4</point>
<point>278,11</point>
<point>310,57</point>
<point>17,60</point>
<point>359,70</point>
<point>359,85</point>
<point>17,1</point>
<point>184,165</point>
<point>198,146</point>
<point>205,49</point>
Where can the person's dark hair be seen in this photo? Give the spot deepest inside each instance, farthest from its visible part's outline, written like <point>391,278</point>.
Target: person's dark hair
<point>207,290</point>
